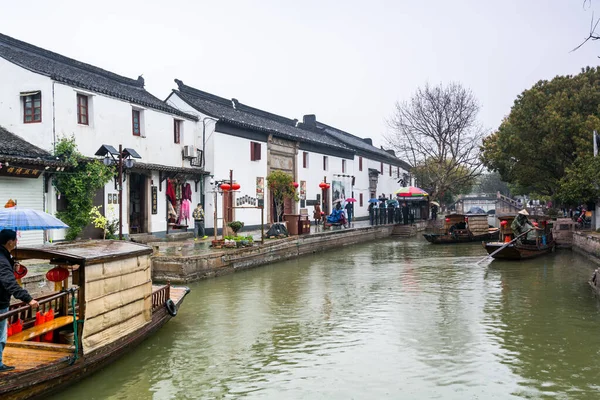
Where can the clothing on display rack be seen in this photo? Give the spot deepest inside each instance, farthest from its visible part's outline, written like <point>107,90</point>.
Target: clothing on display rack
<point>171,192</point>
<point>186,191</point>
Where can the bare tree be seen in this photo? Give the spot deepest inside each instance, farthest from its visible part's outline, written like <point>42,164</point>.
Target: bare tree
<point>438,134</point>
<point>592,35</point>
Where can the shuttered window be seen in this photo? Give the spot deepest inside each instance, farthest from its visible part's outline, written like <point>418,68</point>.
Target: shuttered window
<point>360,163</point>
<point>135,121</point>
<point>360,199</point>
<point>254,151</point>
<point>82,110</point>
<point>305,159</point>
<point>32,107</point>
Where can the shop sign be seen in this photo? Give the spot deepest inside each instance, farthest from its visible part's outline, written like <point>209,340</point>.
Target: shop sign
<point>154,200</point>
<point>260,187</point>
<point>20,172</point>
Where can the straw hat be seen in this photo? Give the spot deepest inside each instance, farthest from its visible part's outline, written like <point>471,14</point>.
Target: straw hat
<point>523,212</point>
<point>10,203</point>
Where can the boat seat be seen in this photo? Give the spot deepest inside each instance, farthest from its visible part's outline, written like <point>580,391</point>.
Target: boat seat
<point>39,330</point>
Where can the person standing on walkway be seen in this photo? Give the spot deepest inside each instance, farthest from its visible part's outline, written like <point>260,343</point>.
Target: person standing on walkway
<point>198,216</point>
<point>405,213</point>
<point>317,214</point>
<point>350,211</point>
<point>9,286</point>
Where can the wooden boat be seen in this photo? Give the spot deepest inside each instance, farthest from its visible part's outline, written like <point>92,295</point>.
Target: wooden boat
<point>461,228</point>
<point>111,307</point>
<point>521,249</point>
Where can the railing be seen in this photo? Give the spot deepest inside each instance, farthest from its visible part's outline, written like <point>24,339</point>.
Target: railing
<point>24,312</point>
<point>160,296</point>
<point>507,200</point>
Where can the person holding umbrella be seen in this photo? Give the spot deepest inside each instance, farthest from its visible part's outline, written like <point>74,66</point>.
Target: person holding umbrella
<point>9,286</point>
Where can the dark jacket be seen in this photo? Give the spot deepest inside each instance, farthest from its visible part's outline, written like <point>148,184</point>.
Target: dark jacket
<point>8,282</point>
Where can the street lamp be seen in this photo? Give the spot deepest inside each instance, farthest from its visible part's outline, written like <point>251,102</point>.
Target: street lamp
<point>122,157</point>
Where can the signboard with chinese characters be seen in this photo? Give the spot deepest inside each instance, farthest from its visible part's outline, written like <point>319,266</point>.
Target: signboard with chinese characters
<point>154,200</point>
<point>302,190</point>
<point>20,172</point>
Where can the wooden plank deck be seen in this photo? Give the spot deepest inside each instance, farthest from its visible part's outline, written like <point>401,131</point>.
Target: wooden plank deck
<point>23,358</point>
<point>177,292</point>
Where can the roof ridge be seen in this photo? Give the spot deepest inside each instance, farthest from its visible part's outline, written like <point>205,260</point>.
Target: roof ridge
<point>71,61</point>
<point>185,89</point>
<point>267,114</point>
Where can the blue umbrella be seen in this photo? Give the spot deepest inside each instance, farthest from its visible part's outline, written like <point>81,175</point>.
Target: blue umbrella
<point>373,200</point>
<point>25,219</point>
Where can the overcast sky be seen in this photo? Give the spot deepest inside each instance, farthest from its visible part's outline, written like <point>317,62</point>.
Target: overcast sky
<point>346,61</point>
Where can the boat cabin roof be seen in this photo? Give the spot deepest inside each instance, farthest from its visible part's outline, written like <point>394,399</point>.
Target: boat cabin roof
<point>84,252</point>
<point>510,217</point>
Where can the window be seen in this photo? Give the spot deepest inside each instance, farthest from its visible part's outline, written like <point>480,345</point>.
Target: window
<point>136,121</point>
<point>254,151</point>
<point>390,169</point>
<point>325,163</point>
<point>343,166</point>
<point>177,130</point>
<point>381,168</point>
<point>360,163</point>
<point>397,172</point>
<point>32,107</point>
<point>304,159</point>
<point>360,199</point>
<point>82,110</point>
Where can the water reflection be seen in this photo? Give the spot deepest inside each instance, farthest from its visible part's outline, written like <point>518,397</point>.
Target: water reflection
<point>388,319</point>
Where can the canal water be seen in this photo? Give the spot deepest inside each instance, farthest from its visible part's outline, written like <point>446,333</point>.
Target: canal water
<point>395,319</point>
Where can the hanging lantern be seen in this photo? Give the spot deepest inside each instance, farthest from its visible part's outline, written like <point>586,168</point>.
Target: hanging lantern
<point>447,219</point>
<point>323,185</point>
<point>236,186</point>
<point>225,187</point>
<point>57,275</point>
<point>327,186</point>
<point>296,184</point>
<point>466,219</point>
<point>504,223</point>
<point>535,224</point>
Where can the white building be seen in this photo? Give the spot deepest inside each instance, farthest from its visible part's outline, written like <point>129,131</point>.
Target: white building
<point>46,96</point>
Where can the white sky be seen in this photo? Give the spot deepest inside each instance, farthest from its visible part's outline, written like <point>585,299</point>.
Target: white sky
<point>346,61</point>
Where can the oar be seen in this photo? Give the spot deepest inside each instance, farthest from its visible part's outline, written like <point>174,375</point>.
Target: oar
<point>506,244</point>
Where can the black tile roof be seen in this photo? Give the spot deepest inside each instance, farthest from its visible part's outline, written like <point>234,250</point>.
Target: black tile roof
<point>359,144</point>
<point>81,75</point>
<point>14,148</point>
<point>252,118</point>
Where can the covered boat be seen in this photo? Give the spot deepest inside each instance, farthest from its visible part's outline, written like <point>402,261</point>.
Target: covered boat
<point>460,228</point>
<point>111,307</point>
<point>522,248</point>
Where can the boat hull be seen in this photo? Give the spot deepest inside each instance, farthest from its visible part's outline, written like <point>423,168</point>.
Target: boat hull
<point>40,382</point>
<point>448,238</point>
<point>518,251</point>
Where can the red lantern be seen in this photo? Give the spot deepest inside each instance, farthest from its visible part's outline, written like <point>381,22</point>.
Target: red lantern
<point>235,186</point>
<point>225,187</point>
<point>466,219</point>
<point>323,185</point>
<point>535,224</point>
<point>57,274</point>
<point>447,219</point>
<point>504,223</point>
<point>296,184</point>
<point>328,186</point>
<point>20,272</point>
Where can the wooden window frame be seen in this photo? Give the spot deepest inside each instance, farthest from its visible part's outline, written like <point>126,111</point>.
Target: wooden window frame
<point>139,122</point>
<point>32,109</point>
<point>343,166</point>
<point>390,169</point>
<point>255,151</point>
<point>360,199</point>
<point>177,131</point>
<point>360,163</point>
<point>381,168</point>
<point>83,109</point>
<point>305,159</point>
<point>325,163</point>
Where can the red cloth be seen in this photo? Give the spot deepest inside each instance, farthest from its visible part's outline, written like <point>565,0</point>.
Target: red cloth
<point>186,191</point>
<point>49,336</point>
<point>39,319</point>
<point>171,192</point>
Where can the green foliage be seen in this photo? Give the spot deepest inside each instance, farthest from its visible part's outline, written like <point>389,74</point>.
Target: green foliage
<point>492,183</point>
<point>236,226</point>
<point>443,180</point>
<point>549,128</point>
<point>282,187</point>
<point>580,182</point>
<point>101,222</point>
<point>78,185</point>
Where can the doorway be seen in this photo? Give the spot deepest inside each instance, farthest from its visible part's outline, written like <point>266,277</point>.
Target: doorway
<point>138,213</point>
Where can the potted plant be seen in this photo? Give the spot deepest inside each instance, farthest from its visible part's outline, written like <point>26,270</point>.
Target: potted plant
<point>282,187</point>
<point>236,226</point>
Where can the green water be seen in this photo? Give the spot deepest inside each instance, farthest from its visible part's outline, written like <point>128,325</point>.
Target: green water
<point>394,319</point>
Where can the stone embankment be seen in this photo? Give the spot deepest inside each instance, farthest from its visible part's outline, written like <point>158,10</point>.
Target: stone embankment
<point>210,263</point>
<point>588,244</point>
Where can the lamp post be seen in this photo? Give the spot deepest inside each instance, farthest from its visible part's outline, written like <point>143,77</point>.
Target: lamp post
<point>123,158</point>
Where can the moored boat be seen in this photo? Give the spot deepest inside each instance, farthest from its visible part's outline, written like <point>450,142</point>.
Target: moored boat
<point>510,249</point>
<point>461,228</point>
<point>111,307</point>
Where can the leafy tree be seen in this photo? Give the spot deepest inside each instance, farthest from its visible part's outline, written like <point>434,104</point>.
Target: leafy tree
<point>580,182</point>
<point>549,127</point>
<point>438,134</point>
<point>282,187</point>
<point>78,185</point>
<point>492,183</point>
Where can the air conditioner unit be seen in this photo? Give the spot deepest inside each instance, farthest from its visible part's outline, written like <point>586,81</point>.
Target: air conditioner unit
<point>188,152</point>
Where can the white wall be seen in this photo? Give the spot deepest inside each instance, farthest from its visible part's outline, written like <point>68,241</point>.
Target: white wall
<point>13,81</point>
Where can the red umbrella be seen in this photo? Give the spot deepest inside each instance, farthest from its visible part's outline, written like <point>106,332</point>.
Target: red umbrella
<point>350,200</point>
<point>411,191</point>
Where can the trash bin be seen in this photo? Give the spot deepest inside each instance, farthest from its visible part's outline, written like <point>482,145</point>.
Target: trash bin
<point>292,223</point>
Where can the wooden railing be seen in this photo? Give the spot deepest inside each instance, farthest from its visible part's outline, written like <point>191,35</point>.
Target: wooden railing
<point>160,296</point>
<point>59,302</point>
